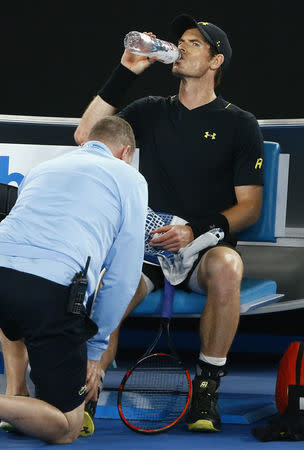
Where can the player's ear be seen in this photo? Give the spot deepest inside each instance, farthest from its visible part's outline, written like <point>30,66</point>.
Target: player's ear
<point>217,61</point>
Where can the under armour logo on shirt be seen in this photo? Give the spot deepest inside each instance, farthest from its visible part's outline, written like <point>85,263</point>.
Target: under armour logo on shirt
<point>209,135</point>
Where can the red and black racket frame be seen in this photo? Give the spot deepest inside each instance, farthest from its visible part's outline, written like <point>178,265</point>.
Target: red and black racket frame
<point>124,381</point>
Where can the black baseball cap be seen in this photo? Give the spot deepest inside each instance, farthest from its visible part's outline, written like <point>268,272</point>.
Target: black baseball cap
<point>214,35</point>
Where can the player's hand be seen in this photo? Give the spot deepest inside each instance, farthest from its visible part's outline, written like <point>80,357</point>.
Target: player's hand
<point>137,63</point>
<point>93,380</point>
<point>173,237</point>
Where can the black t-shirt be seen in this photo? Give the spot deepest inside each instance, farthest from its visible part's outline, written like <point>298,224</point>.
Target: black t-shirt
<point>192,159</point>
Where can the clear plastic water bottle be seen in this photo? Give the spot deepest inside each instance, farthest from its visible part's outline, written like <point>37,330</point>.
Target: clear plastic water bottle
<point>143,44</point>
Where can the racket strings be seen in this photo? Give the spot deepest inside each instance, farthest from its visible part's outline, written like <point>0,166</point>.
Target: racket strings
<point>153,221</point>
<point>155,394</point>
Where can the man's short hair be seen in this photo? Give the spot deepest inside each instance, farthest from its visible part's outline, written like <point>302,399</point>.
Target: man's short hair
<point>113,130</point>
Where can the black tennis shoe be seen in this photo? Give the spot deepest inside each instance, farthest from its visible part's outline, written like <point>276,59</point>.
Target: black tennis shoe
<point>203,415</point>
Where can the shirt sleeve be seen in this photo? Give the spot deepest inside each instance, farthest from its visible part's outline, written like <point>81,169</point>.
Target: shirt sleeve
<point>123,270</point>
<point>249,155</point>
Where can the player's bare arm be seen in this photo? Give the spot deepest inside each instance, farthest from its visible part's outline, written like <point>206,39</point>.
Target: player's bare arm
<point>247,210</point>
<point>99,108</point>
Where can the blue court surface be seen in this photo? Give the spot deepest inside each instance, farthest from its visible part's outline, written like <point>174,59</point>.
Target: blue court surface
<point>246,400</point>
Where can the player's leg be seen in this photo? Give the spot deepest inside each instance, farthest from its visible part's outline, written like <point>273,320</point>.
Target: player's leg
<point>220,273</point>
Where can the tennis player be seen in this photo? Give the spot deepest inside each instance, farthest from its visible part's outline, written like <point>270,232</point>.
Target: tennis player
<point>74,215</point>
<point>202,157</point>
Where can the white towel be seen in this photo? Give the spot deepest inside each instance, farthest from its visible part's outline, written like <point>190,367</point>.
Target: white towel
<point>183,260</point>
<point>176,266</point>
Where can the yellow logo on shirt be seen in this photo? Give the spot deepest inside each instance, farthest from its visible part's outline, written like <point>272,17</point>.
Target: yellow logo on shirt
<point>211,135</point>
<point>259,163</point>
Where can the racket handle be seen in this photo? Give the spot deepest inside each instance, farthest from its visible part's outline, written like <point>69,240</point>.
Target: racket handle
<point>167,300</point>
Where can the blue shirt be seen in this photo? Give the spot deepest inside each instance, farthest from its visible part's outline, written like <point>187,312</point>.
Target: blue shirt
<point>84,203</point>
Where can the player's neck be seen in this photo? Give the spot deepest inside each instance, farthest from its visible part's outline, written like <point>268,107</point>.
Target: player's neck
<point>193,93</point>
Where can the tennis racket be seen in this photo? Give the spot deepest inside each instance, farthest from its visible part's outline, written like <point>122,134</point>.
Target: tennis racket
<point>155,393</point>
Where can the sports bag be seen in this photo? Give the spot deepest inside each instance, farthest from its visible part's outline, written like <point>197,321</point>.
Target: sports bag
<point>289,396</point>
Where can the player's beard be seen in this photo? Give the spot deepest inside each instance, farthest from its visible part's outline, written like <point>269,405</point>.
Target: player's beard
<point>182,74</point>
<point>178,75</point>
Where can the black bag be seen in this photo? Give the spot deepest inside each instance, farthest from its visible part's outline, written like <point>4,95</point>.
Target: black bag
<point>8,197</point>
<point>289,395</point>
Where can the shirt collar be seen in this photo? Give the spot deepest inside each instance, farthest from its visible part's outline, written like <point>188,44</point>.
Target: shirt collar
<point>215,104</point>
<point>96,147</point>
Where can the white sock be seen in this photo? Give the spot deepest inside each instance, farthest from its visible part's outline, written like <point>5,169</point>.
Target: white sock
<point>212,360</point>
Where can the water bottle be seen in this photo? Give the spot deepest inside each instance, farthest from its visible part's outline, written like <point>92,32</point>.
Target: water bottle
<point>143,44</point>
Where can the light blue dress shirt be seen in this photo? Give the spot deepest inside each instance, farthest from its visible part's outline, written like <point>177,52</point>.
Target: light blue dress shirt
<point>84,203</point>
